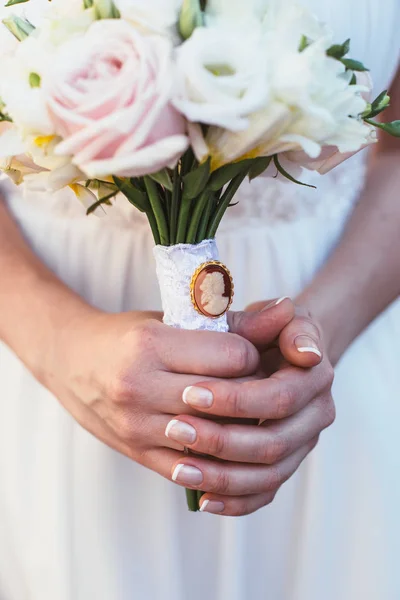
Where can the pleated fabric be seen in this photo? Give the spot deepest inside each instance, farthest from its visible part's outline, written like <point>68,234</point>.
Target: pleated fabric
<point>80,521</point>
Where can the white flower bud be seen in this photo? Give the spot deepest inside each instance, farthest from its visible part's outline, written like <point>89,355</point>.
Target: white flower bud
<point>105,9</point>
<point>191,17</point>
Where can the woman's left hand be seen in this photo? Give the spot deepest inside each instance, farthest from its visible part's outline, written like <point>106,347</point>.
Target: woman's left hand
<point>291,397</point>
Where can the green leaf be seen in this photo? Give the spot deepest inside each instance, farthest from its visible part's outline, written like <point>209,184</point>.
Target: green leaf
<point>379,99</point>
<point>354,65</point>
<point>3,115</point>
<point>135,196</point>
<point>304,43</point>
<point>104,200</point>
<point>4,118</point>
<point>225,174</point>
<point>392,128</point>
<point>138,183</point>
<point>34,80</point>
<point>339,50</point>
<point>282,171</point>
<point>353,80</point>
<point>381,103</point>
<point>163,178</point>
<point>259,166</point>
<point>20,28</point>
<point>13,2</point>
<point>87,3</point>
<point>195,181</point>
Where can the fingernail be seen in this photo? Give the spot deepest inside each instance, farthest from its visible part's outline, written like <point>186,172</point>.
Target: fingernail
<point>197,396</point>
<point>212,506</point>
<point>275,303</point>
<point>305,344</point>
<point>187,475</point>
<point>181,432</point>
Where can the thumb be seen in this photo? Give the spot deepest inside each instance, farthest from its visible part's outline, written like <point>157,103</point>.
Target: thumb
<point>300,342</point>
<point>262,327</point>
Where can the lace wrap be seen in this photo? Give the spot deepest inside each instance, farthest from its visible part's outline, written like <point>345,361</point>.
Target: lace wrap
<point>175,268</point>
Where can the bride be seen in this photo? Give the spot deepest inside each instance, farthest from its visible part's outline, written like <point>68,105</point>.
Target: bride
<point>80,520</point>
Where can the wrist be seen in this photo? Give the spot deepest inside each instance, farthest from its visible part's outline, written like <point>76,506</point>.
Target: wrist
<point>62,344</point>
<point>42,319</point>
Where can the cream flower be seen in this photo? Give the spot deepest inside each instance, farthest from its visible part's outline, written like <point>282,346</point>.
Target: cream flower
<point>311,105</point>
<point>221,82</point>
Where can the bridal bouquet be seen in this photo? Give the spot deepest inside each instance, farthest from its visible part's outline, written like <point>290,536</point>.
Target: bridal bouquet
<point>173,103</point>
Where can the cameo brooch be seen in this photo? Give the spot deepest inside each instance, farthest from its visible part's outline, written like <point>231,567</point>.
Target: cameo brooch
<point>212,289</point>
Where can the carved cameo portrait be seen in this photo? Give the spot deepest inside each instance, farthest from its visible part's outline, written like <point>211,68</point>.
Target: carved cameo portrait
<point>212,290</point>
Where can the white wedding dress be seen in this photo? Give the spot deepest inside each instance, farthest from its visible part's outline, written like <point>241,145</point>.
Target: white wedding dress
<point>80,522</point>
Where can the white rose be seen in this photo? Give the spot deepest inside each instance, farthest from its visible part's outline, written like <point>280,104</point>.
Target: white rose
<point>152,15</point>
<point>221,82</point>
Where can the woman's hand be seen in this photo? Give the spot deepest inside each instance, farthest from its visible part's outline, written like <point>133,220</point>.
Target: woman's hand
<point>122,377</point>
<point>293,405</point>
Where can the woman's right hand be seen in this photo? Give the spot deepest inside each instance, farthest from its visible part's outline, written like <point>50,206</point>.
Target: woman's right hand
<point>122,376</point>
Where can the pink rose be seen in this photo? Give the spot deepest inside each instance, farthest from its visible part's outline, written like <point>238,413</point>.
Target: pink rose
<point>109,94</point>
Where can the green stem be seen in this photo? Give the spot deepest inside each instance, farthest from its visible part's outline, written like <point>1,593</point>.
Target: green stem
<point>183,220</point>
<point>176,194</point>
<point>225,202</point>
<point>192,501</point>
<point>200,207</point>
<point>205,219</point>
<point>199,496</point>
<point>156,205</point>
<point>168,202</point>
<point>153,225</point>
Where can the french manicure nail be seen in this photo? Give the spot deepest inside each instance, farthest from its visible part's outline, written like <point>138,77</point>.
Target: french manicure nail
<point>305,344</point>
<point>198,397</point>
<point>212,506</point>
<point>187,475</point>
<point>275,303</point>
<point>181,432</point>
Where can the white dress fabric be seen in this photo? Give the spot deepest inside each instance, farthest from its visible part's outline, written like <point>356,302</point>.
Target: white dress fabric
<point>80,522</point>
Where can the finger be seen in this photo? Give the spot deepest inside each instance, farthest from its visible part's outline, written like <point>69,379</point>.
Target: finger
<point>225,506</point>
<point>265,444</point>
<point>208,353</point>
<point>234,479</point>
<point>238,506</point>
<point>262,327</point>
<point>281,395</point>
<point>227,479</point>
<point>300,342</point>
